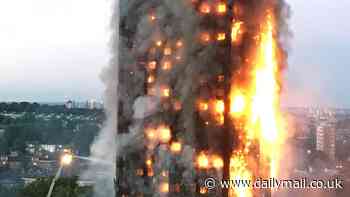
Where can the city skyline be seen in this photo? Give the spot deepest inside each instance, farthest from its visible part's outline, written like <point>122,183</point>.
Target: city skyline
<point>42,68</point>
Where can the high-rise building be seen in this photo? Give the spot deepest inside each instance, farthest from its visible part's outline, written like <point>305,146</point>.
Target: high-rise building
<point>326,136</point>
<point>177,59</point>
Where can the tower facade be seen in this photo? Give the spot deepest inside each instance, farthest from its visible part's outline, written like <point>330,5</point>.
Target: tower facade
<point>197,80</point>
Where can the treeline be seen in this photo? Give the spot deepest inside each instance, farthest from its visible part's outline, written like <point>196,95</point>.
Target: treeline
<point>18,107</point>
<point>46,124</point>
<point>64,187</point>
<point>78,134</point>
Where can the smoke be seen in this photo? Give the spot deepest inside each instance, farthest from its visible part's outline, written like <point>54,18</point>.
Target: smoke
<point>132,105</point>
<point>104,147</point>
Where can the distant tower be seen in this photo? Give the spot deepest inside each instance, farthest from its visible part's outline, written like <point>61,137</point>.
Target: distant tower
<point>325,138</point>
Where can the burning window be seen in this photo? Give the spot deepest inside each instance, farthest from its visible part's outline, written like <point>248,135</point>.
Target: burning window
<point>167,51</point>
<point>202,161</point>
<point>164,134</point>
<point>221,36</point>
<point>179,44</point>
<point>165,91</point>
<point>150,172</point>
<point>151,133</point>
<point>177,105</point>
<point>236,31</point>
<point>221,8</point>
<point>152,17</point>
<point>205,37</point>
<point>203,190</point>
<point>166,65</point>
<point>217,162</point>
<point>139,172</point>
<point>150,79</point>
<point>176,147</point>
<point>164,187</point>
<point>152,65</point>
<point>149,162</point>
<point>237,103</point>
<point>159,43</point>
<point>165,173</point>
<point>203,106</point>
<point>219,106</point>
<point>205,8</point>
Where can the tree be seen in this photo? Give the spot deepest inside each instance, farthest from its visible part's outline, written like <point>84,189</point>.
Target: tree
<point>65,187</point>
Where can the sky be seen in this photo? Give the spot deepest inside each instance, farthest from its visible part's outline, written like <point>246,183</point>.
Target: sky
<point>53,50</point>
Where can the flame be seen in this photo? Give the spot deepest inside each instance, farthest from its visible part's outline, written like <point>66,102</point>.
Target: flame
<point>164,133</point>
<point>179,44</point>
<point>150,172</point>
<point>203,106</point>
<point>205,8</point>
<point>205,37</point>
<point>219,106</point>
<point>237,104</point>
<point>259,105</point>
<point>176,147</point>
<point>221,36</point>
<point>159,43</point>
<point>150,79</point>
<point>221,8</point>
<point>167,51</point>
<point>239,171</point>
<point>149,162</point>
<point>177,105</point>
<point>164,187</point>
<point>151,133</point>
<point>166,65</point>
<point>165,91</point>
<point>217,162</point>
<point>152,17</point>
<point>202,161</point>
<point>203,190</point>
<point>152,65</point>
<point>265,106</point>
<point>165,173</point>
<point>236,31</point>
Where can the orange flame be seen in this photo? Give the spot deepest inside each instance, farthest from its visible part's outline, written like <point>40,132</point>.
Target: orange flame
<point>205,8</point>
<point>166,65</point>
<point>203,106</point>
<point>236,31</point>
<point>176,147</point>
<point>239,171</point>
<point>217,162</point>
<point>152,65</point>
<point>164,134</point>
<point>167,51</point>
<point>221,8</point>
<point>164,187</point>
<point>205,37</point>
<point>260,107</point>
<point>221,36</point>
<point>203,161</point>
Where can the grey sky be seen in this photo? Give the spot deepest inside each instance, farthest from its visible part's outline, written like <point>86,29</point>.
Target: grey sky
<point>54,49</point>
<point>318,73</point>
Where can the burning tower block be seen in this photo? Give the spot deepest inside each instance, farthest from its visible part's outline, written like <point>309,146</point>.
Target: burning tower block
<point>186,95</point>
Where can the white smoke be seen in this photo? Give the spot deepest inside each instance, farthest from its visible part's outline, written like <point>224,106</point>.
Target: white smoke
<point>104,147</point>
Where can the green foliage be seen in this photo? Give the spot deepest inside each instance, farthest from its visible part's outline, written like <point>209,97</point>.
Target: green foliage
<point>48,125</point>
<point>64,187</point>
<point>9,192</point>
